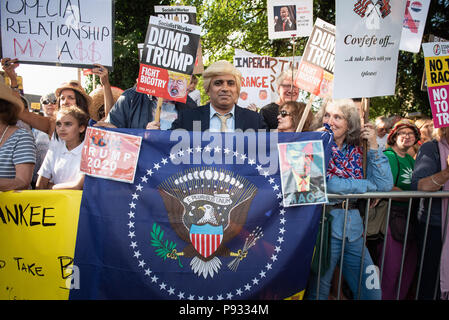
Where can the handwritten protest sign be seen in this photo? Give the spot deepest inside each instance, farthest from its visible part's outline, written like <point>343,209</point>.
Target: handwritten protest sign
<point>315,72</point>
<point>62,32</point>
<point>110,155</point>
<point>368,40</point>
<point>436,56</point>
<point>259,74</point>
<point>38,233</point>
<point>168,59</point>
<point>414,23</point>
<point>289,18</point>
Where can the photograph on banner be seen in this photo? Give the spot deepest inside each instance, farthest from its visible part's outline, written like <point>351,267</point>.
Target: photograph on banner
<point>436,57</point>
<point>184,14</point>
<point>315,72</point>
<point>414,23</point>
<point>110,155</point>
<point>259,74</point>
<point>303,174</point>
<point>368,37</point>
<point>168,59</point>
<point>38,230</point>
<point>64,33</point>
<point>289,18</point>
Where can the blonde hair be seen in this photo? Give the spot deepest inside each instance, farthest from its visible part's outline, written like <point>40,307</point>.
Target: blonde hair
<point>220,68</point>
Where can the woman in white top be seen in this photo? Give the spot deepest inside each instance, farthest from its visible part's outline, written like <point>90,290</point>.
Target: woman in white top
<point>60,169</point>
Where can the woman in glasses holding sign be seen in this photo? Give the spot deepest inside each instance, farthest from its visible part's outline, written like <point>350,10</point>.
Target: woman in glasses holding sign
<point>345,176</point>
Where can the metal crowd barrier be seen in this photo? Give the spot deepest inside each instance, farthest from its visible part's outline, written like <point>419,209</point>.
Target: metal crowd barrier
<point>384,195</point>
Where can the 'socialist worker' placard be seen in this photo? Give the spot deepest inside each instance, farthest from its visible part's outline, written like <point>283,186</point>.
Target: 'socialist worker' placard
<point>168,59</point>
<point>315,73</point>
<point>436,55</point>
<point>110,155</point>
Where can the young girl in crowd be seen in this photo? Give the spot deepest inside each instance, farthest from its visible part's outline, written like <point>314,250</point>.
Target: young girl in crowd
<point>60,169</point>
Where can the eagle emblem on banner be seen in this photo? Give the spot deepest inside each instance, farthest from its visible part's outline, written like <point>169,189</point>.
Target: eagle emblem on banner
<point>207,207</point>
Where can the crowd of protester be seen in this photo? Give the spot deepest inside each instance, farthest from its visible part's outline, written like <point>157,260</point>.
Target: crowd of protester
<point>45,153</point>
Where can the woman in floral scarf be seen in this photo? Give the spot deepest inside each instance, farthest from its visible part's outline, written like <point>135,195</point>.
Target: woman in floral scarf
<point>345,176</point>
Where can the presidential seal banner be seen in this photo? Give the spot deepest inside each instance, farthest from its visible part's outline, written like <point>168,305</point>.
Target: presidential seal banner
<point>204,220</point>
<point>37,236</point>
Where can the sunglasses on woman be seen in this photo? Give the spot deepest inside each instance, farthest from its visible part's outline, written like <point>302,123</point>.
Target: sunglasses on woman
<point>47,101</point>
<point>284,113</point>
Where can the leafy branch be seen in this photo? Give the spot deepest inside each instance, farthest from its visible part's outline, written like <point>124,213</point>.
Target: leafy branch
<point>164,249</point>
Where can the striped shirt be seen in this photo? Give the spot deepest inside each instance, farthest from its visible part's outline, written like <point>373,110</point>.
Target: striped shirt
<point>19,148</point>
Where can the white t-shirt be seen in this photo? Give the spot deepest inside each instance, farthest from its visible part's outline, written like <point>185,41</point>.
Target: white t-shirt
<point>196,96</point>
<point>61,165</point>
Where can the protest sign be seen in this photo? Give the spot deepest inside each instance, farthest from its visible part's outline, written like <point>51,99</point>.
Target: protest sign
<point>184,14</point>
<point>430,38</point>
<point>436,56</point>
<point>315,72</point>
<point>414,23</point>
<point>67,33</point>
<point>168,59</point>
<point>110,155</point>
<point>368,37</point>
<point>303,173</point>
<point>289,18</point>
<point>38,233</point>
<point>259,74</point>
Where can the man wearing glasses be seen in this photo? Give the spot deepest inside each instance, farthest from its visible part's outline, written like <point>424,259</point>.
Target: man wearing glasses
<point>287,91</point>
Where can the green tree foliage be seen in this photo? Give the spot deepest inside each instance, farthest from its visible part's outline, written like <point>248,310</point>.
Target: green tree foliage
<point>243,24</point>
<point>131,23</point>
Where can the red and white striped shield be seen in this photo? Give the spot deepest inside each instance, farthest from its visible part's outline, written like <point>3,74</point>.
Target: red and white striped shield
<point>206,238</point>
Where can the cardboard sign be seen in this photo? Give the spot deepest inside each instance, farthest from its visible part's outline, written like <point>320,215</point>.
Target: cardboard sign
<point>38,231</point>
<point>110,155</point>
<point>436,56</point>
<point>184,14</point>
<point>303,173</point>
<point>259,74</point>
<point>67,33</point>
<point>168,59</point>
<point>289,18</point>
<point>315,73</point>
<point>414,23</point>
<point>368,37</point>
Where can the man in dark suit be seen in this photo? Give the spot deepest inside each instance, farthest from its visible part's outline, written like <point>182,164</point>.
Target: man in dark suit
<point>222,83</point>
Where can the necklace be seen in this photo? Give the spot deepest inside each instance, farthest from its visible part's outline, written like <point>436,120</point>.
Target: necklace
<point>4,132</point>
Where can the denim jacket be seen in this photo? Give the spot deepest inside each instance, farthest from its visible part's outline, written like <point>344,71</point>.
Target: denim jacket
<point>378,178</point>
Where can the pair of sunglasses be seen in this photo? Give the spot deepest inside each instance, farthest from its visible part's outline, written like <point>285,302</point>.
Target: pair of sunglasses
<point>48,102</point>
<point>284,113</point>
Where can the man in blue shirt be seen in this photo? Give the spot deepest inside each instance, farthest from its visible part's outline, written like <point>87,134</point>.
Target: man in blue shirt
<point>222,84</point>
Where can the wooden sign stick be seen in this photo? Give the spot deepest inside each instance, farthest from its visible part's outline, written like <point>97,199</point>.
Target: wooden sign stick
<point>365,119</point>
<point>305,114</point>
<point>157,116</point>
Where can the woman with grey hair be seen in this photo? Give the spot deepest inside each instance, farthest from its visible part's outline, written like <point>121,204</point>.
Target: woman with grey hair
<point>287,91</point>
<point>345,175</point>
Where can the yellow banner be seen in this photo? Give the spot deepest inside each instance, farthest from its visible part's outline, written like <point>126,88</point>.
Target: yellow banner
<point>437,71</point>
<point>37,244</point>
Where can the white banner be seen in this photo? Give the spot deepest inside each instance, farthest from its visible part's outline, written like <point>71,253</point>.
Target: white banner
<point>289,18</point>
<point>414,23</point>
<point>368,37</point>
<point>74,33</point>
<point>259,74</point>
